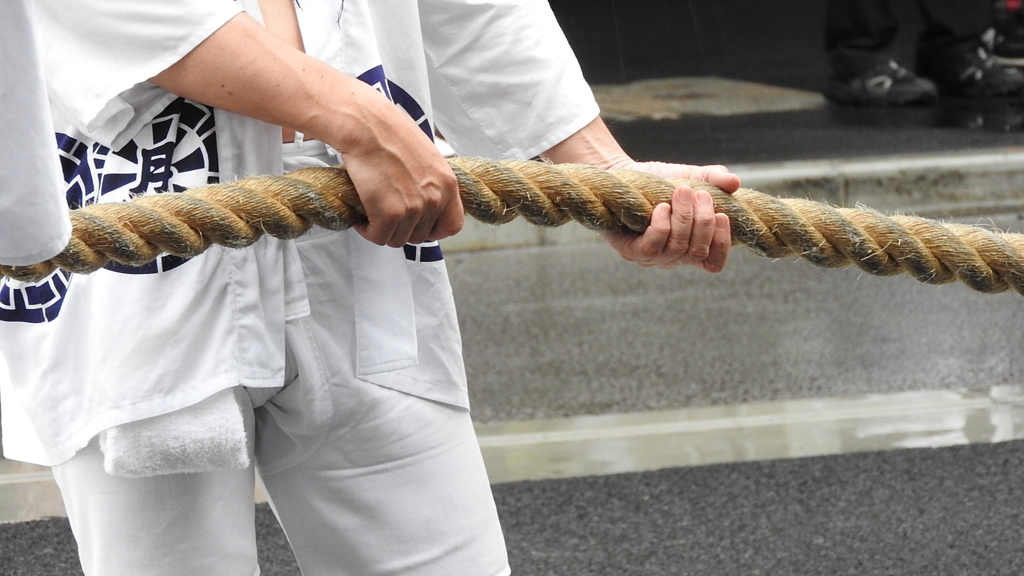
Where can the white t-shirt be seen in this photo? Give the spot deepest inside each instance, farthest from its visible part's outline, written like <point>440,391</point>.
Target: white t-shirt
<point>90,352</point>
<point>34,225</point>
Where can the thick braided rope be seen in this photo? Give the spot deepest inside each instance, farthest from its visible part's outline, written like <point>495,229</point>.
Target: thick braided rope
<point>239,213</point>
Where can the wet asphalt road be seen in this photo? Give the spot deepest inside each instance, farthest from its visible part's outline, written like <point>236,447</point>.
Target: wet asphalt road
<point>574,330</point>
<point>938,512</point>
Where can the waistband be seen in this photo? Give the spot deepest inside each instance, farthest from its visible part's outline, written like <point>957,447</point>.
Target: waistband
<point>303,148</point>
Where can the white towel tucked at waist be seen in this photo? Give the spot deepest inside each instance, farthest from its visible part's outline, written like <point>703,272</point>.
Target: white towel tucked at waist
<point>204,437</point>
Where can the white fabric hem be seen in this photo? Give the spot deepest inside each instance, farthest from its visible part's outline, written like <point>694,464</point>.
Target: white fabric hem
<point>64,449</point>
<point>43,254</point>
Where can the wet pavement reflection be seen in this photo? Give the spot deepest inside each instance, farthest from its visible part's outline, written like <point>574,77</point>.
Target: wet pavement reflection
<point>985,115</point>
<point>999,115</point>
<point>643,441</point>
<point>608,444</point>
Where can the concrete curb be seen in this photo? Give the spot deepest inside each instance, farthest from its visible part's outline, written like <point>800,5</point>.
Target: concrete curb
<point>937,185</point>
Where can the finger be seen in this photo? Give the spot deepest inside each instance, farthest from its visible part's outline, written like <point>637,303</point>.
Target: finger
<point>390,223</point>
<point>375,231</point>
<point>421,232</point>
<point>720,245</point>
<point>682,221</point>
<point>703,228</point>
<point>721,177</point>
<point>426,217</point>
<point>652,243</point>
<point>450,222</point>
<point>403,232</point>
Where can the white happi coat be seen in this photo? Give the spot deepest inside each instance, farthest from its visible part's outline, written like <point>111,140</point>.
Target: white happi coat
<point>33,217</point>
<point>90,352</point>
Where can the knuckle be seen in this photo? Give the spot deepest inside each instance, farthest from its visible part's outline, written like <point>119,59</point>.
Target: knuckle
<point>650,252</point>
<point>644,263</point>
<point>661,226</point>
<point>684,218</point>
<point>700,253</point>
<point>678,245</point>
<point>393,212</point>
<point>705,220</point>
<point>449,181</point>
<point>431,201</point>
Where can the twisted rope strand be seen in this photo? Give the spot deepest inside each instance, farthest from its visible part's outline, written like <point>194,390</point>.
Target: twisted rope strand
<point>239,213</point>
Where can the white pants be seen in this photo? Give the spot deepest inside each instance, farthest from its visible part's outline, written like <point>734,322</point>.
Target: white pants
<point>365,480</point>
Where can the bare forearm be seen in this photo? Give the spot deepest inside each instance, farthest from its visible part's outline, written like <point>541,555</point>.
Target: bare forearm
<point>246,69</point>
<point>593,145</point>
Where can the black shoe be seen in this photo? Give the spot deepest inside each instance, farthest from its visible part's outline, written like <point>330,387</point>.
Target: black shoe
<point>1006,43</point>
<point>887,84</point>
<point>973,73</point>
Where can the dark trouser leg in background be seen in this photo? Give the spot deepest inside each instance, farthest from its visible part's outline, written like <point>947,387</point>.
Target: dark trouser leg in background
<point>858,35</point>
<point>953,24</point>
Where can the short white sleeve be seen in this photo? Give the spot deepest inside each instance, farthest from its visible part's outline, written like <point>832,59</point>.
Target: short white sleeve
<point>99,54</point>
<point>504,80</point>
<point>34,225</point>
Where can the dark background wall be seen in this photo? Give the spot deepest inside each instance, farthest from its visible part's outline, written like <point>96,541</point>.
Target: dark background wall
<point>773,41</point>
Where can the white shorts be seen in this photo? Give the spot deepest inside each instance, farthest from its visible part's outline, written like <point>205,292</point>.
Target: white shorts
<point>396,486</point>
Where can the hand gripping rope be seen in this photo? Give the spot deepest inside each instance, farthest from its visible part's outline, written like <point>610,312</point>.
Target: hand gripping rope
<point>238,213</point>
